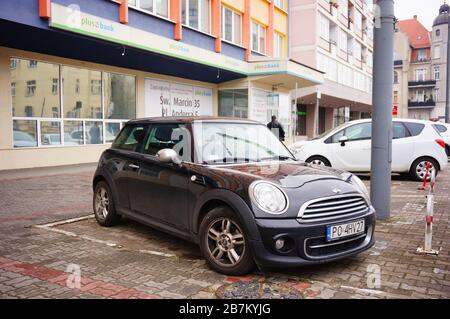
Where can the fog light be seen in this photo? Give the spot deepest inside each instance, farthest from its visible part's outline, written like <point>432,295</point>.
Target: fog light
<point>279,244</point>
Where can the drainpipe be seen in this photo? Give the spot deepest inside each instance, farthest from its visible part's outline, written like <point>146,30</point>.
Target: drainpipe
<point>381,160</point>
<point>447,84</point>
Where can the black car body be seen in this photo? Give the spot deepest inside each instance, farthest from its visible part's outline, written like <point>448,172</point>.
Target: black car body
<point>177,196</point>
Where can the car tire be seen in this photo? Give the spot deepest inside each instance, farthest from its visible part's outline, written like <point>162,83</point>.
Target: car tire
<point>103,205</point>
<point>447,150</point>
<point>318,160</point>
<point>418,168</point>
<point>224,243</point>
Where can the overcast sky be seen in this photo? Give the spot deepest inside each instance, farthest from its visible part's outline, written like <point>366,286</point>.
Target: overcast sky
<point>426,10</point>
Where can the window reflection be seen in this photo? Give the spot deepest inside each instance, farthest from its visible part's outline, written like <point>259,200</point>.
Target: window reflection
<point>73,132</point>
<point>24,133</point>
<point>50,133</point>
<point>120,96</point>
<point>94,132</point>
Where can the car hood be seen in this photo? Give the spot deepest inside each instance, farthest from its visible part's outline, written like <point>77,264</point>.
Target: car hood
<point>289,174</point>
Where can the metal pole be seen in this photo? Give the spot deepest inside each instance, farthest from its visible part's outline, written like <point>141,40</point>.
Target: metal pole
<point>382,110</point>
<point>447,84</point>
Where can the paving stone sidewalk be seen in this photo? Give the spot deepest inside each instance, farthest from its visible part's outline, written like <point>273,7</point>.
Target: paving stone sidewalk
<point>134,261</point>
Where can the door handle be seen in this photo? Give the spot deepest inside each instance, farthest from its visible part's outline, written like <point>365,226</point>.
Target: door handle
<point>133,166</point>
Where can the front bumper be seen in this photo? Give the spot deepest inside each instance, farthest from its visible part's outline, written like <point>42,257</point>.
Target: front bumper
<point>308,242</point>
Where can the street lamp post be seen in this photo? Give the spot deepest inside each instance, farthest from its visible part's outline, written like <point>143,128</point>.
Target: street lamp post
<point>382,108</point>
<point>447,84</point>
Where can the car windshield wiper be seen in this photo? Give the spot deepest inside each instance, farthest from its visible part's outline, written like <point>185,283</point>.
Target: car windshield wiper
<point>226,160</point>
<point>279,157</point>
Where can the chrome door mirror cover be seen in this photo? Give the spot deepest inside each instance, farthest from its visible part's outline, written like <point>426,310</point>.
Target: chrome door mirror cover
<point>168,155</point>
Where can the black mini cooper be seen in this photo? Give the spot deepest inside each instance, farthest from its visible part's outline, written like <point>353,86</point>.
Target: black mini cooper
<point>232,187</point>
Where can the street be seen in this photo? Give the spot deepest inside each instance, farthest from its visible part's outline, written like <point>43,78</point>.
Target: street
<point>48,237</point>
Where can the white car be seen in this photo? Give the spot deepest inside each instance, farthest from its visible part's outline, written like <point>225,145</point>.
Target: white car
<point>348,147</point>
<point>444,130</point>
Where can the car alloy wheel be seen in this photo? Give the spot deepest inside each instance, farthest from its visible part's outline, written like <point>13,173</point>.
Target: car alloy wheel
<point>421,169</point>
<point>226,243</point>
<point>318,162</point>
<point>102,202</point>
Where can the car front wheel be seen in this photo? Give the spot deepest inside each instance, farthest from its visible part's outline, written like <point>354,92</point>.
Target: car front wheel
<point>224,243</point>
<point>318,160</point>
<point>103,204</point>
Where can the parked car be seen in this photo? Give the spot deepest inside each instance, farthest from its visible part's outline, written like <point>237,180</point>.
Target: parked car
<point>348,147</point>
<point>444,130</point>
<point>23,139</point>
<point>232,187</point>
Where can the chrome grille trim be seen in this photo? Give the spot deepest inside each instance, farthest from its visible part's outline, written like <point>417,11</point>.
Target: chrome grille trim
<point>327,209</point>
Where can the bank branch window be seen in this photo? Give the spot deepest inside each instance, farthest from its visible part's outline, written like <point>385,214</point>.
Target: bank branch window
<point>59,105</point>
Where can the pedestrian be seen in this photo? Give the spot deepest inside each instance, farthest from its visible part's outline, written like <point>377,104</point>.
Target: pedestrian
<point>276,128</point>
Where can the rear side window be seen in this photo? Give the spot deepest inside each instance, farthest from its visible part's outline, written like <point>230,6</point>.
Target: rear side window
<point>399,130</point>
<point>415,128</point>
<point>440,128</point>
<point>131,138</point>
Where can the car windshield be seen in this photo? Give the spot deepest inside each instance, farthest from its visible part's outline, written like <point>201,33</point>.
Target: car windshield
<point>330,131</point>
<point>219,143</point>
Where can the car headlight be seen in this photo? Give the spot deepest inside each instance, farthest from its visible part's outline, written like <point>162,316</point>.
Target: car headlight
<point>355,180</point>
<point>268,197</point>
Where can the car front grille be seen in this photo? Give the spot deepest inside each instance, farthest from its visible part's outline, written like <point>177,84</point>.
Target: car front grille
<point>329,209</point>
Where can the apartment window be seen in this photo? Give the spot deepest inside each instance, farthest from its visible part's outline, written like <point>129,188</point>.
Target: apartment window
<point>279,4</point>
<point>343,40</point>
<point>437,73</point>
<point>158,7</point>
<point>357,50</point>
<point>196,14</point>
<point>31,87</point>
<point>231,26</point>
<point>13,64</point>
<point>370,59</point>
<point>80,119</point>
<point>55,86</point>
<point>438,32</point>
<point>96,86</point>
<point>278,45</point>
<point>258,37</point>
<point>324,28</point>
<point>437,52</point>
<point>420,75</point>
<point>13,89</point>
<point>420,96</point>
<point>32,63</point>
<point>422,55</point>
<point>395,77</point>
<point>358,21</point>
<point>436,95</point>
<point>343,7</point>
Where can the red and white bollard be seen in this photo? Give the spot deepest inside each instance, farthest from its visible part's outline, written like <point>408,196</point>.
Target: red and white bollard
<point>427,249</point>
<point>424,184</point>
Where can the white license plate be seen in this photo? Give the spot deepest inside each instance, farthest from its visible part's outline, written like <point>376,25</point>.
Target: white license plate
<point>335,232</point>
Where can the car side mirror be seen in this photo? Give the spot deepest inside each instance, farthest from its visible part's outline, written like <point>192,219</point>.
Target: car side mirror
<point>168,155</point>
<point>343,140</point>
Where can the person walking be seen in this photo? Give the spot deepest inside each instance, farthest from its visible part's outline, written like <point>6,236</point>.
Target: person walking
<point>276,128</point>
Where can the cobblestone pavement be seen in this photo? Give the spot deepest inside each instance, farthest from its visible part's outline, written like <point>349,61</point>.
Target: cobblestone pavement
<point>134,261</point>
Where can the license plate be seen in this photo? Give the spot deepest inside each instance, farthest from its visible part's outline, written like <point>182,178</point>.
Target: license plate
<point>335,232</point>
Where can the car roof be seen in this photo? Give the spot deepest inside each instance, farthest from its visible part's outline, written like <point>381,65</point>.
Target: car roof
<point>395,120</point>
<point>191,119</point>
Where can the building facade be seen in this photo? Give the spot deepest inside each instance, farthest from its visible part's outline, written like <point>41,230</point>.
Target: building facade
<point>72,72</point>
<point>339,42</point>
<point>420,68</point>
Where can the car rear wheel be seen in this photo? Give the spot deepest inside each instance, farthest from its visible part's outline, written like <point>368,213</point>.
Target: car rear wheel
<point>224,243</point>
<point>103,204</point>
<point>318,160</point>
<point>419,168</point>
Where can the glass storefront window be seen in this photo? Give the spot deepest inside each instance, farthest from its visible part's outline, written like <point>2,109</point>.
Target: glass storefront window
<point>111,131</point>
<point>73,133</point>
<point>120,96</point>
<point>81,93</point>
<point>93,132</point>
<point>34,93</point>
<point>24,133</point>
<point>233,103</point>
<point>50,133</point>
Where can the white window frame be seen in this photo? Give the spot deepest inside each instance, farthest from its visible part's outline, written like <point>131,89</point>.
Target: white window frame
<point>437,52</point>
<point>260,28</point>
<point>437,73</point>
<point>343,45</point>
<point>279,4</point>
<point>137,6</point>
<point>421,57</point>
<point>343,8</point>
<point>233,40</point>
<point>436,95</point>
<point>278,45</point>
<point>200,11</point>
<point>324,27</point>
<point>13,89</point>
<point>31,92</point>
<point>420,73</point>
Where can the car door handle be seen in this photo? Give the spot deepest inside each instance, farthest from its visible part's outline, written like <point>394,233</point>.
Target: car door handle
<point>133,166</point>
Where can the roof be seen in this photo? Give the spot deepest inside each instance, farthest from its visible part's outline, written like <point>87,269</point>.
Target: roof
<point>418,35</point>
<point>190,119</point>
<point>442,18</point>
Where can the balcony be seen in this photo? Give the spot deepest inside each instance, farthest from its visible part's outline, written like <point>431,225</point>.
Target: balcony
<point>429,104</point>
<point>422,83</point>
